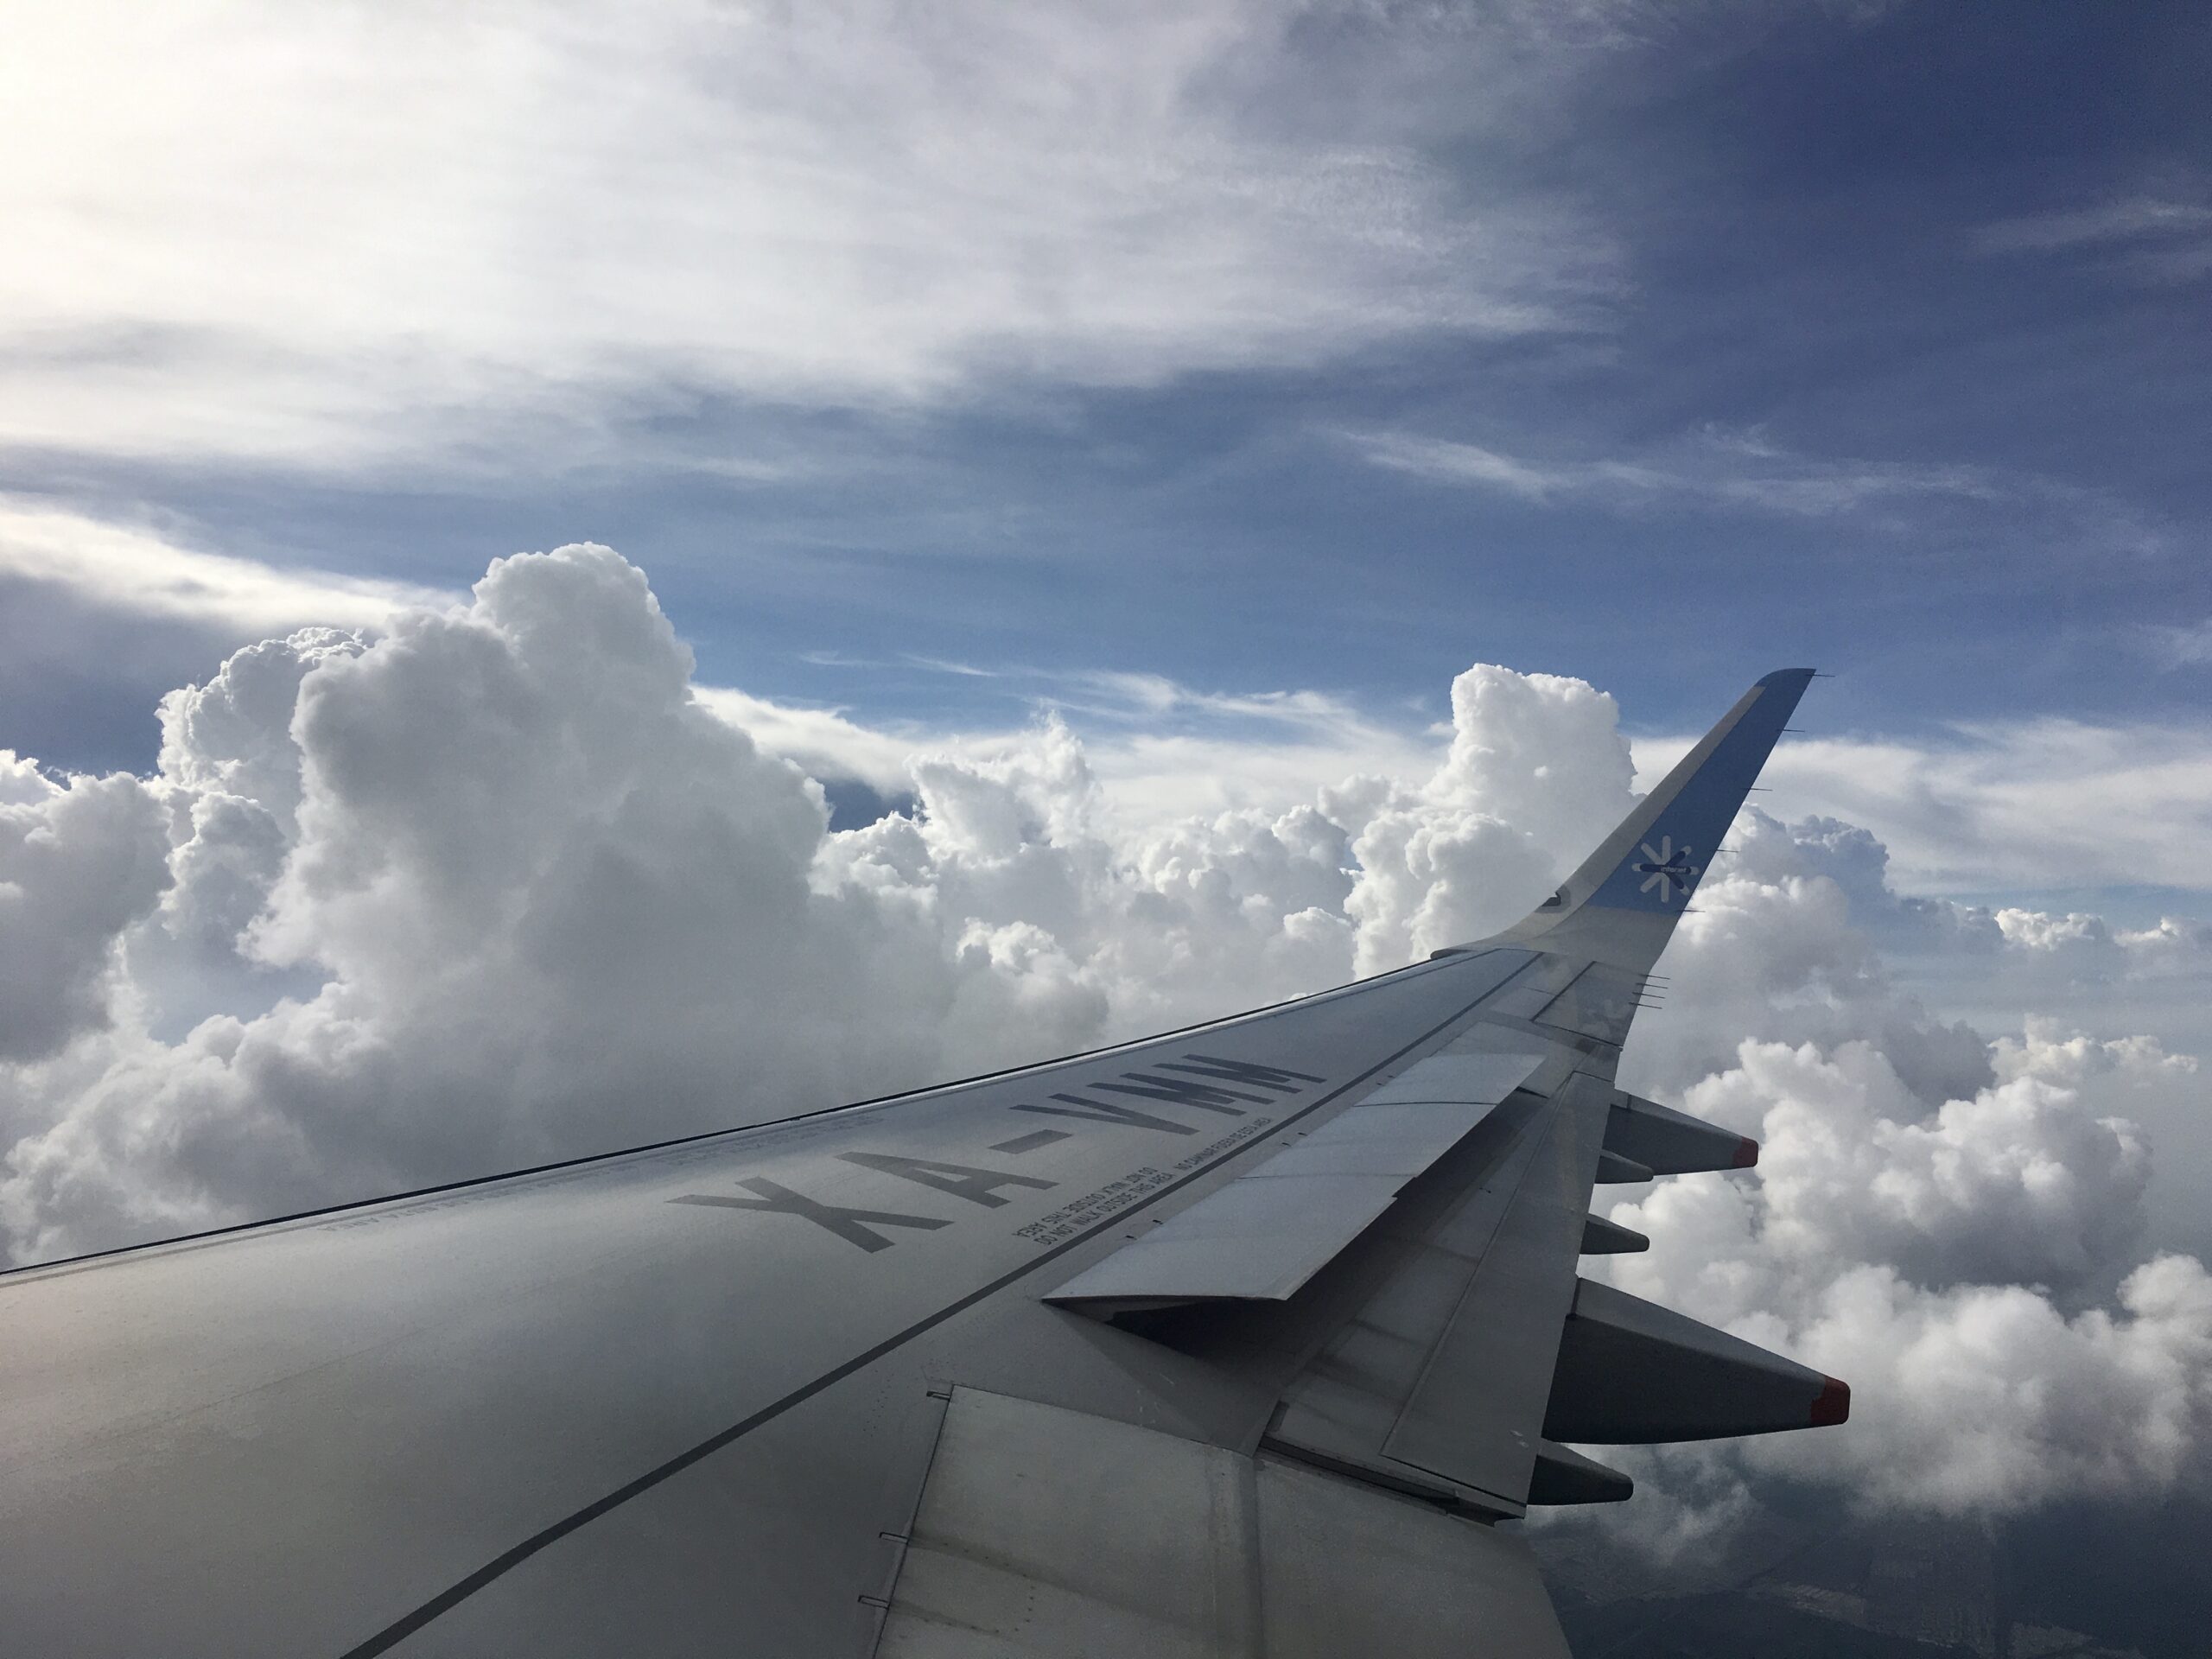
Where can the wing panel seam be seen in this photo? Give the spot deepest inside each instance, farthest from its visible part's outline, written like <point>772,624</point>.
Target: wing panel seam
<point>389,1638</point>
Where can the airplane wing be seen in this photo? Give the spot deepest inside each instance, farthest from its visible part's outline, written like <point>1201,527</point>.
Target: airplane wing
<point>1240,1340</point>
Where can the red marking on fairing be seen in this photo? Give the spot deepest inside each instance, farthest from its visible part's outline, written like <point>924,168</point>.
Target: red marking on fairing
<point>1833,1407</point>
<point>1747,1153</point>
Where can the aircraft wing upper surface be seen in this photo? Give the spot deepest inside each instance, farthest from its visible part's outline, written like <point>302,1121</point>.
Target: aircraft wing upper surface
<point>1236,1341</point>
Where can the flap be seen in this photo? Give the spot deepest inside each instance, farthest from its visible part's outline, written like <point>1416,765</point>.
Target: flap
<point>1045,1533</point>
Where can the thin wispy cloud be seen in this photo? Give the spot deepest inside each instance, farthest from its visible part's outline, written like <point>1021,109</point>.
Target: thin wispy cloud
<point>466,231</point>
<point>2132,219</point>
<point>944,665</point>
<point>2143,238</point>
<point>1442,460</point>
<point>1995,806</point>
<point>1714,468</point>
<point>825,741</point>
<point>142,571</point>
<point>1169,750</point>
<point>1149,695</point>
<point>2185,645</point>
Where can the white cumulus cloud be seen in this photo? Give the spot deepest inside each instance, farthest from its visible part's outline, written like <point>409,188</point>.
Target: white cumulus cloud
<point>78,859</point>
<point>495,882</point>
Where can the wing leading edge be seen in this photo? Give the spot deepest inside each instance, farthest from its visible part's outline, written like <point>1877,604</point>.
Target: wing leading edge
<point>1236,1341</point>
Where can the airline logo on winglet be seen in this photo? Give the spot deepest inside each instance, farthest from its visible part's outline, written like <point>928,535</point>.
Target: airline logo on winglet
<point>1667,872</point>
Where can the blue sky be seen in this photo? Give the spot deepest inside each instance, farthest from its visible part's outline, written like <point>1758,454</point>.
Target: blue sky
<point>1658,346</point>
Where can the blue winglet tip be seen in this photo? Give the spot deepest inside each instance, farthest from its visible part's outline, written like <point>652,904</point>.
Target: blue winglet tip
<point>1800,678</point>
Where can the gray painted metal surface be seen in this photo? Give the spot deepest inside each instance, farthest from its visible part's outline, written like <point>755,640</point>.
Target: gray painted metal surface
<point>300,1438</point>
<point>1565,1476</point>
<point>1038,1536</point>
<point>1613,1170</point>
<point>1265,1233</point>
<point>1257,1239</point>
<point>1668,1143</point>
<point>1691,1382</point>
<point>1471,1416</point>
<point>1355,1570</point>
<point>1602,1237</point>
<point>1477,1075</point>
<point>1344,1403</point>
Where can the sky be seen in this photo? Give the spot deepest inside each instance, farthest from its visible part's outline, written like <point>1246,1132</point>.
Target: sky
<point>1069,521</point>
<point>1324,347</point>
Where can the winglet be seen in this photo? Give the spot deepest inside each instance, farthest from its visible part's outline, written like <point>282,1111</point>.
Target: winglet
<point>1626,895</point>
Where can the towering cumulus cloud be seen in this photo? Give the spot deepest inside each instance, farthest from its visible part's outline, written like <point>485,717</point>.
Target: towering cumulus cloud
<point>1956,1224</point>
<point>79,860</point>
<point>493,885</point>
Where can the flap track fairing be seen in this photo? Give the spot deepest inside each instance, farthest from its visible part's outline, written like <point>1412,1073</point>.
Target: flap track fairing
<point>1632,1373</point>
<point>1668,1143</point>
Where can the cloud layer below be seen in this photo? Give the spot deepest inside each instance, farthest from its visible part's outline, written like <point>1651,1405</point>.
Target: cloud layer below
<point>497,884</point>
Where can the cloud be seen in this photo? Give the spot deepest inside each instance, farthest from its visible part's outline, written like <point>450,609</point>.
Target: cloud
<point>1442,460</point>
<point>78,859</point>
<point>2015,1182</point>
<point>1734,471</point>
<point>499,883</point>
<point>2074,948</point>
<point>1999,805</point>
<point>1974,1401</point>
<point>1536,761</point>
<point>2156,240</point>
<point>500,231</point>
<point>1958,1225</point>
<point>423,902</point>
<point>144,571</point>
<point>2072,1060</point>
<point>2127,219</point>
<point>2040,805</point>
<point>2174,647</point>
<point>1714,467</point>
<point>1165,750</point>
<point>1987,1399</point>
<point>455,888</point>
<point>824,742</point>
<point>522,874</point>
<point>2045,803</point>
